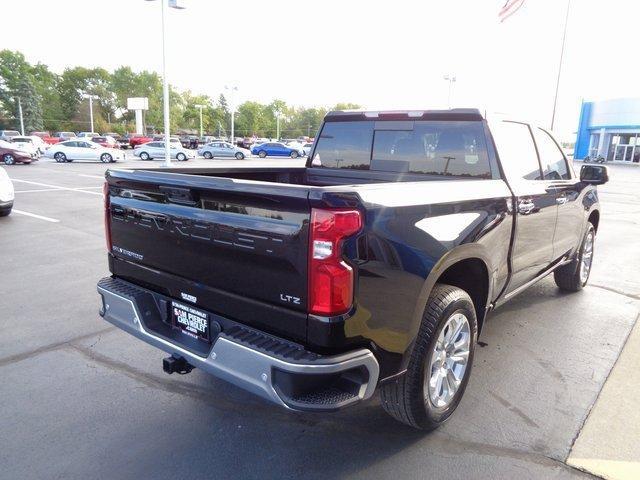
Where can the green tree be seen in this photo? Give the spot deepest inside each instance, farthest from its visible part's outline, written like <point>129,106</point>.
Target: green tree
<point>46,85</point>
<point>16,81</point>
<point>347,106</point>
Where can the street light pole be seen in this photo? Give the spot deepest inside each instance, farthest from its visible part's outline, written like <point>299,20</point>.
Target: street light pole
<point>564,37</point>
<point>165,92</point>
<point>91,98</point>
<point>233,110</point>
<point>177,4</point>
<point>451,79</point>
<point>200,107</point>
<point>277,112</point>
<point>20,115</point>
<point>91,110</point>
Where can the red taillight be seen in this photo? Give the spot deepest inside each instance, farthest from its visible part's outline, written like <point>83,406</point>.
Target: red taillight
<point>330,278</point>
<point>107,215</point>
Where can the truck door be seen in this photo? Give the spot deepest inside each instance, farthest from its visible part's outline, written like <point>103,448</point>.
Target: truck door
<point>560,178</point>
<point>535,206</point>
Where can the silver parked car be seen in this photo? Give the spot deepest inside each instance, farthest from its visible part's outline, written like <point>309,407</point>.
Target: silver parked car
<point>222,149</point>
<point>150,150</point>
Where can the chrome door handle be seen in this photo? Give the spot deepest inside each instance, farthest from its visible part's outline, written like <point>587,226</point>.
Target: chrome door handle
<point>525,207</point>
<point>561,200</point>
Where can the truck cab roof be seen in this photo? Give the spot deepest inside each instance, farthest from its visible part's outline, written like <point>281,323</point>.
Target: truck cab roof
<point>452,114</point>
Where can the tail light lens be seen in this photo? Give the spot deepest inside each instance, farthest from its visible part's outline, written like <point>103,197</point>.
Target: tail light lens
<point>107,214</point>
<point>330,278</point>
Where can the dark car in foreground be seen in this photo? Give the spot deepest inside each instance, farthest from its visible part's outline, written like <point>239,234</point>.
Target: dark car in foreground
<point>373,267</point>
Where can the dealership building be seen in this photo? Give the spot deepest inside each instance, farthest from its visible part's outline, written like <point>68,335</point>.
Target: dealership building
<point>611,129</point>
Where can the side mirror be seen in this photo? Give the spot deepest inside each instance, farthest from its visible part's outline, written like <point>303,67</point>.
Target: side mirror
<point>594,174</point>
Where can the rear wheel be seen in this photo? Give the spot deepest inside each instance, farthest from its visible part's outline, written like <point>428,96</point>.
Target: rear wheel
<point>294,154</point>
<point>106,158</point>
<point>440,364</point>
<point>181,157</point>
<point>6,211</point>
<point>239,155</point>
<point>144,156</point>
<point>9,159</point>
<point>575,275</point>
<point>207,155</point>
<point>262,154</point>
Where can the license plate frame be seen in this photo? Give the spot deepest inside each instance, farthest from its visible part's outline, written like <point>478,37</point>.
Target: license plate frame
<point>190,320</point>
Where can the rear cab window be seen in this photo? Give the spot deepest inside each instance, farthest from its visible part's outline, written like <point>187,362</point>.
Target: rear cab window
<point>415,147</point>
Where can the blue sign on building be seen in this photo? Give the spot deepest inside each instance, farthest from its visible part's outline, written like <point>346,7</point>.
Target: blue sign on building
<point>609,129</point>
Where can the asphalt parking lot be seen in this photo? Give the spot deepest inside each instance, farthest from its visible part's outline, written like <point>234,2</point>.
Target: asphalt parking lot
<point>81,399</point>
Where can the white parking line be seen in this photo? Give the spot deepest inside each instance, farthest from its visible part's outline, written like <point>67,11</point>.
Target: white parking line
<point>58,187</point>
<point>101,177</point>
<point>39,217</point>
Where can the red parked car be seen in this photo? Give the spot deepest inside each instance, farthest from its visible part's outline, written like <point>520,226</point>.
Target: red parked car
<point>106,141</point>
<point>136,139</point>
<point>46,137</point>
<point>10,156</point>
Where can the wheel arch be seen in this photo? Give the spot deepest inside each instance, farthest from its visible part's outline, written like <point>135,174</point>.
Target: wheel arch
<point>594,219</point>
<point>468,267</point>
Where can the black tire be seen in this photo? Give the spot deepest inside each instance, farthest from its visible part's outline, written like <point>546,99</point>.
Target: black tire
<point>207,155</point>
<point>60,157</point>
<point>144,156</point>
<point>239,155</point>
<point>294,154</point>
<point>9,159</point>
<point>5,211</point>
<point>262,154</point>
<point>405,398</point>
<point>106,158</point>
<point>569,277</point>
<point>181,157</point>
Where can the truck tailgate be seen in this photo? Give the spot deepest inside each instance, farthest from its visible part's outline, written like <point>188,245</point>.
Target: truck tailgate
<point>233,236</point>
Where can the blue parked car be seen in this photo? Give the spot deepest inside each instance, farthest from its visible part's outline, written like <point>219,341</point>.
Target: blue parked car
<point>276,149</point>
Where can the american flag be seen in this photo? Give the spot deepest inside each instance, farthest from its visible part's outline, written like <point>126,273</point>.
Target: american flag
<point>509,8</point>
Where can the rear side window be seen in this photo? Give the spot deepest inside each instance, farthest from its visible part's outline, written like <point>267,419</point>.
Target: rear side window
<point>516,150</point>
<point>344,145</point>
<point>554,166</point>
<point>449,148</point>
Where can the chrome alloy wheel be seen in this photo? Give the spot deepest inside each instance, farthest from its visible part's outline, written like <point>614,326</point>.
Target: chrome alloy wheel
<point>587,257</point>
<point>449,360</point>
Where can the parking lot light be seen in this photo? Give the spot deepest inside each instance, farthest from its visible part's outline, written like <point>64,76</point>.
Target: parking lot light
<point>232,105</point>
<point>165,82</point>
<point>277,114</point>
<point>91,98</point>
<point>200,107</point>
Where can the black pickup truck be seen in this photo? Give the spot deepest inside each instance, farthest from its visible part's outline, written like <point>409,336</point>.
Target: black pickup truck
<point>371,268</point>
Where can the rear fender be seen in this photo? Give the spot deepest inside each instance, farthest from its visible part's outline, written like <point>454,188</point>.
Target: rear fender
<point>462,252</point>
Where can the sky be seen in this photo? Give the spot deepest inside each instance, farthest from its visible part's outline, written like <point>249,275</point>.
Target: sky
<point>382,55</point>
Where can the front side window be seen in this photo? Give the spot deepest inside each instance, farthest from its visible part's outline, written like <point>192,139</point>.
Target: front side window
<point>554,166</point>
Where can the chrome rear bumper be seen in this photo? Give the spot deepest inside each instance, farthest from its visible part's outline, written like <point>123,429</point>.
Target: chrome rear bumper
<point>306,382</point>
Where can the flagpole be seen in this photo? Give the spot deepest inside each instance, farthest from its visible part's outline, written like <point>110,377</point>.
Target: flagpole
<point>564,37</point>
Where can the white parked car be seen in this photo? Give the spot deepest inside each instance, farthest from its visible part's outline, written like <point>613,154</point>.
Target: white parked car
<point>26,144</point>
<point>83,150</point>
<point>88,135</point>
<point>40,144</point>
<point>151,150</point>
<point>306,148</point>
<point>6,193</point>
